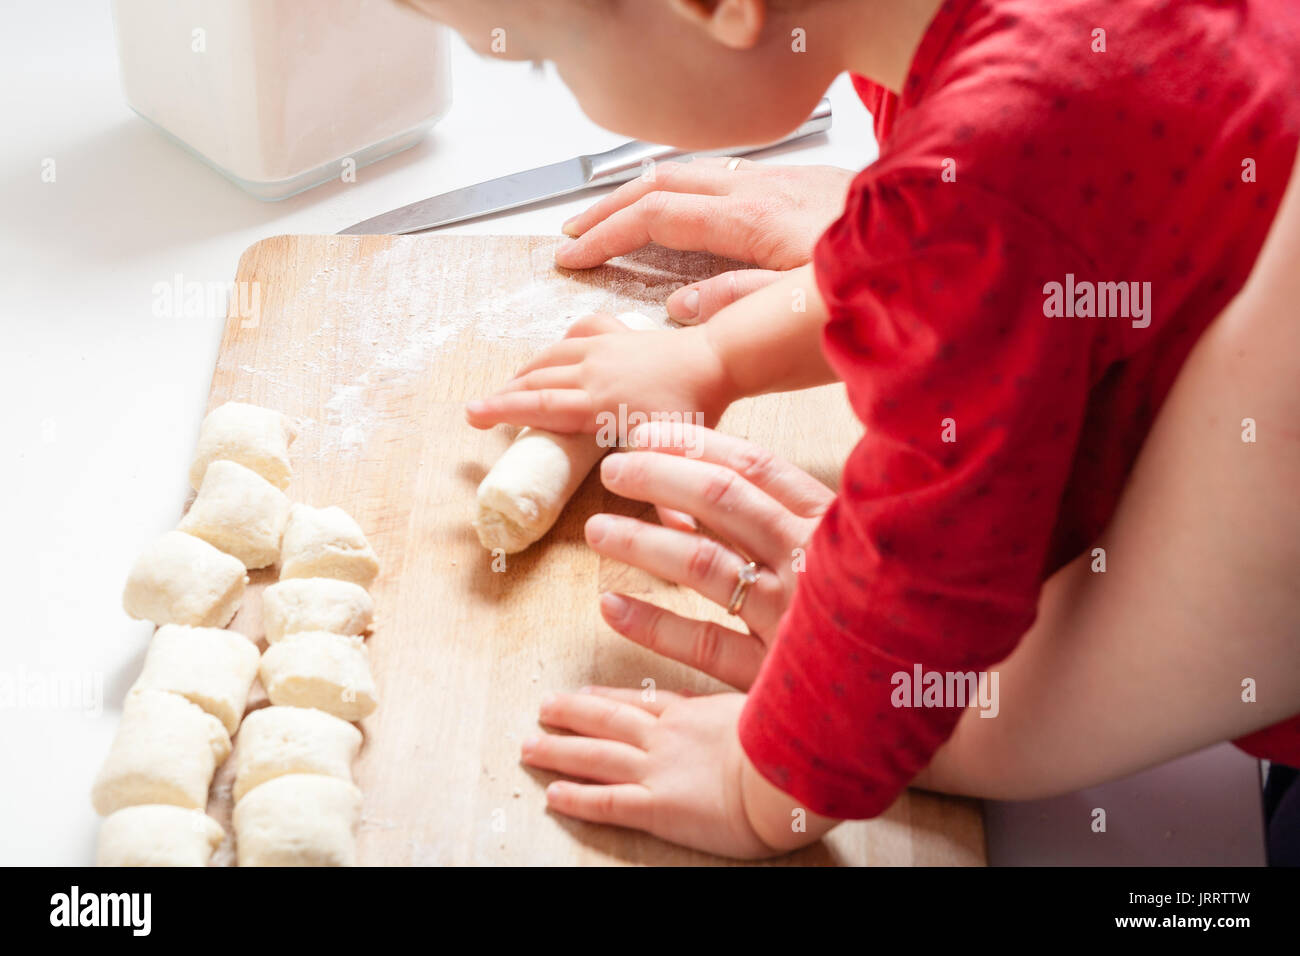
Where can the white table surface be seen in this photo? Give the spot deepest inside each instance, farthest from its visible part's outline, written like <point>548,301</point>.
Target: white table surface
<point>100,400</point>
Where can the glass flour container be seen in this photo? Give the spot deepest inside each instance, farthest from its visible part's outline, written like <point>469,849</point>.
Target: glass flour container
<point>282,95</point>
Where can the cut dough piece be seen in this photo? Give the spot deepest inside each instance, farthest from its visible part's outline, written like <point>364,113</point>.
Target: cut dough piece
<point>158,835</point>
<point>326,543</point>
<point>257,438</point>
<point>521,498</point>
<point>240,512</point>
<point>275,741</point>
<point>206,665</point>
<point>330,672</point>
<point>181,579</point>
<point>315,604</point>
<point>165,751</point>
<point>300,819</point>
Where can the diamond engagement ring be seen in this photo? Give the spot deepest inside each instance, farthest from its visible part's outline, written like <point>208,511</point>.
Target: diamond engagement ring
<point>746,575</point>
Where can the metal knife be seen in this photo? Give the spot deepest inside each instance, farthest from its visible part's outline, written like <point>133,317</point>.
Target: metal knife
<point>618,165</point>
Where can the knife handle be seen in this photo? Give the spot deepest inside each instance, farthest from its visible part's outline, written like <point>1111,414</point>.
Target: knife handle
<point>624,163</point>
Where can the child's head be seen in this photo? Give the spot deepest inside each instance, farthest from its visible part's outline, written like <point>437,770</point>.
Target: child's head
<point>692,73</point>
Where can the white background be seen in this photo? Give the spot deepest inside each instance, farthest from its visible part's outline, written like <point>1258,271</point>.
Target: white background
<point>100,400</point>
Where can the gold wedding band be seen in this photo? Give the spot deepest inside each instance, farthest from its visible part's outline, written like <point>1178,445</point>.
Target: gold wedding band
<point>746,575</point>
<point>733,163</point>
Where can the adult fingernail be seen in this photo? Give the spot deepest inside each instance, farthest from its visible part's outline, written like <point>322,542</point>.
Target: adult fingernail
<point>569,229</point>
<point>610,467</point>
<point>476,407</point>
<point>564,253</point>
<point>614,606</point>
<point>597,526</point>
<point>688,306</point>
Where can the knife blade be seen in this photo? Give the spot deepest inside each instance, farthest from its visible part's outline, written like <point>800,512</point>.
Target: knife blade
<point>618,165</point>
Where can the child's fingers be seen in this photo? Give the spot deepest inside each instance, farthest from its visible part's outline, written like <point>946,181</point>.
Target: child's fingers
<point>563,352</point>
<point>730,656</point>
<point>700,300</point>
<point>621,805</point>
<point>605,761</point>
<point>792,487</point>
<point>676,220</point>
<point>707,177</point>
<point>652,700</point>
<point>594,716</point>
<point>555,410</point>
<point>556,376</point>
<point>597,323</point>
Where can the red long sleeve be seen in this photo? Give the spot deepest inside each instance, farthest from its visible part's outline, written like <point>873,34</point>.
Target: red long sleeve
<point>1063,166</point>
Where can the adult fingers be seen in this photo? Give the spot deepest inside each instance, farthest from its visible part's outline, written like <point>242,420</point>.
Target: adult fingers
<point>790,486</point>
<point>718,497</point>
<point>700,300</point>
<point>691,560</point>
<point>730,656</point>
<point>706,178</point>
<point>716,224</point>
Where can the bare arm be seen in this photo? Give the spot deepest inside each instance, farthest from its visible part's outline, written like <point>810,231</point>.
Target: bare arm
<point>1143,663</point>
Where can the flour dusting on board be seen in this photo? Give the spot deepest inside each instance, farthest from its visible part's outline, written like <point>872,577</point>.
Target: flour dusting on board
<point>400,316</point>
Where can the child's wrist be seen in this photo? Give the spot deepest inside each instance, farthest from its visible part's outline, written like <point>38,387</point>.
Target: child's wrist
<point>776,818</point>
<point>724,384</point>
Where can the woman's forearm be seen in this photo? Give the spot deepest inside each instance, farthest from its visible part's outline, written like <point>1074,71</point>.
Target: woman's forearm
<point>1157,655</point>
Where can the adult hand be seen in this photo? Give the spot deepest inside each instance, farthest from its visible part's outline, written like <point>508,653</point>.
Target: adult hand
<point>762,509</point>
<point>770,216</point>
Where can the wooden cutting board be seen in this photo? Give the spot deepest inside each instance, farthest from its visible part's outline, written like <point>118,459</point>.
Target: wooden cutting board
<point>375,344</point>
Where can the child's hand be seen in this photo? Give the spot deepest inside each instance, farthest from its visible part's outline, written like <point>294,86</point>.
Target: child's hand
<point>671,766</point>
<point>601,365</point>
<point>770,216</point>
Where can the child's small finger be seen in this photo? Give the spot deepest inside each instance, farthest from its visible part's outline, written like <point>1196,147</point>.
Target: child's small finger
<point>588,758</point>
<point>563,352</point>
<point>555,376</point>
<point>598,323</point>
<point>648,698</point>
<point>556,410</point>
<point>621,805</point>
<point>594,716</point>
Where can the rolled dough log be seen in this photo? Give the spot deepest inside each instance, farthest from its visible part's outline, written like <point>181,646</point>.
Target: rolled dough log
<point>330,672</point>
<point>206,665</point>
<point>300,819</point>
<point>521,498</point>
<point>275,741</point>
<point>181,579</point>
<point>158,835</point>
<point>326,543</point>
<point>240,512</point>
<point>165,751</point>
<point>315,604</point>
<point>257,438</point>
